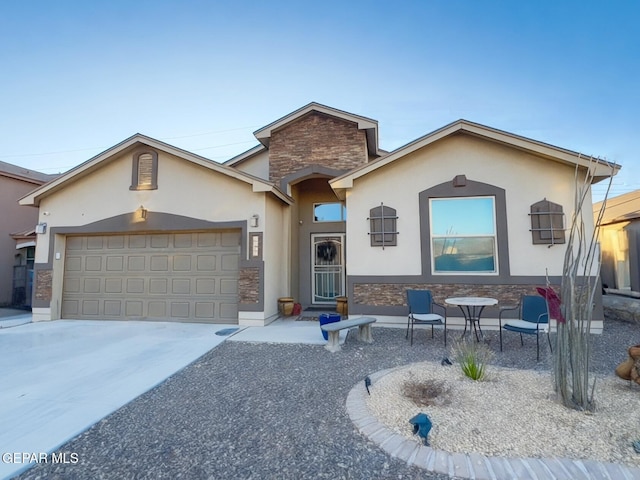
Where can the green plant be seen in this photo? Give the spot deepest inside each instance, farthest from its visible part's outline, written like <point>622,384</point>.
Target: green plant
<point>472,357</point>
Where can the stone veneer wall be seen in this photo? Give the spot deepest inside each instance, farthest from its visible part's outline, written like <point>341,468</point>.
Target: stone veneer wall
<point>316,139</point>
<point>394,294</point>
<point>44,282</point>
<point>249,285</point>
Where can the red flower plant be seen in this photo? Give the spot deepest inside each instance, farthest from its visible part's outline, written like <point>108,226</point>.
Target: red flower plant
<point>554,302</point>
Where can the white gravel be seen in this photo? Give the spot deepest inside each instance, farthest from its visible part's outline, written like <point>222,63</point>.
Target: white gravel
<point>513,413</point>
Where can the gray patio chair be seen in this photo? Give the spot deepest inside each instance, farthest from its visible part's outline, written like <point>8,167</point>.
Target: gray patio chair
<point>421,306</point>
<point>533,319</point>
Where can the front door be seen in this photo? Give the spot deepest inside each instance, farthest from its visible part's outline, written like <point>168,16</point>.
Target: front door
<point>327,275</point>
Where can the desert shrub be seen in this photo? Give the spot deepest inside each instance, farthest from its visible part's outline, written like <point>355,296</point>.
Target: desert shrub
<point>427,393</point>
<point>472,357</point>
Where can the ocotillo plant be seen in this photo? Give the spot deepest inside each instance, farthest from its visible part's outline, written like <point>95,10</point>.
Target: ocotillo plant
<point>580,285</point>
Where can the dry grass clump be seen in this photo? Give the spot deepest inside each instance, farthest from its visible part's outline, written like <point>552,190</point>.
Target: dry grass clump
<point>427,393</point>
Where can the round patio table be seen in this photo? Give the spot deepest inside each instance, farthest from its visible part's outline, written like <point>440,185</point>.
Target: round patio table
<point>472,308</point>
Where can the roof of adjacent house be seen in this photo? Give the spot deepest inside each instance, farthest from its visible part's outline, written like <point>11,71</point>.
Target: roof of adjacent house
<point>601,168</point>
<point>619,209</point>
<point>20,173</point>
<point>257,184</point>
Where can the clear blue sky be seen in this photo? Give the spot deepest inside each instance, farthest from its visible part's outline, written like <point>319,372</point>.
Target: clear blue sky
<point>80,76</point>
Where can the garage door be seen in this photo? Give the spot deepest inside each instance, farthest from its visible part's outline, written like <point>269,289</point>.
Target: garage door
<point>174,276</point>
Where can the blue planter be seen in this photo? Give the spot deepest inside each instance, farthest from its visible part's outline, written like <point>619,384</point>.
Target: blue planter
<point>328,318</point>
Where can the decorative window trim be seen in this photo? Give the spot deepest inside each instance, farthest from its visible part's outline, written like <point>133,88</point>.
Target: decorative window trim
<point>547,223</point>
<point>135,180</point>
<point>471,188</point>
<point>383,231</point>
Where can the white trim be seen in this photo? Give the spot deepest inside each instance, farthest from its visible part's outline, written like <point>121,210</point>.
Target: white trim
<point>25,244</point>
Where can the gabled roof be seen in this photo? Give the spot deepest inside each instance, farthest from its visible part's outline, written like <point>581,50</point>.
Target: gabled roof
<point>20,173</point>
<point>238,159</point>
<point>369,125</point>
<point>620,209</point>
<point>602,169</point>
<point>257,184</point>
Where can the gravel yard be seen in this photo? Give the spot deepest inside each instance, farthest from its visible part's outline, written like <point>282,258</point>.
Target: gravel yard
<point>513,414</point>
<point>263,411</point>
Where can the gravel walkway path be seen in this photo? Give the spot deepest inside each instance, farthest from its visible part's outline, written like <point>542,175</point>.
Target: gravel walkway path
<point>262,411</point>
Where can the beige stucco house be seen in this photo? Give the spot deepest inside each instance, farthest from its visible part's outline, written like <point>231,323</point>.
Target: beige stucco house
<point>315,211</point>
<point>619,238</point>
<point>17,236</point>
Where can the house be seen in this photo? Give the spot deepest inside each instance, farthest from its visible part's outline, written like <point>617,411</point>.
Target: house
<point>315,211</point>
<point>17,237</point>
<point>619,238</point>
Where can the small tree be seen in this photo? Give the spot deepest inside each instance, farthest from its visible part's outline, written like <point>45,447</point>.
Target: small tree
<point>580,284</point>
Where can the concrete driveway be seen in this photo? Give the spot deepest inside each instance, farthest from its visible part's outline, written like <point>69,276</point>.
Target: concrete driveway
<point>59,378</point>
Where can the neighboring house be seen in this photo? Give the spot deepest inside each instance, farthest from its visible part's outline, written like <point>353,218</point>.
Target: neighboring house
<point>316,211</point>
<point>619,238</point>
<point>17,236</point>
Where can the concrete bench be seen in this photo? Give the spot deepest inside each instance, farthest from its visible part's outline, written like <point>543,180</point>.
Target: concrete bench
<point>333,330</point>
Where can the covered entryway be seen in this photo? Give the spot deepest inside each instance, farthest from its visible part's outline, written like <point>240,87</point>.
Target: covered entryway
<point>181,276</point>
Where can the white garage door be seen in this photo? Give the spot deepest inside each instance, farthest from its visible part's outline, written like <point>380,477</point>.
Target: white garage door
<point>173,276</point>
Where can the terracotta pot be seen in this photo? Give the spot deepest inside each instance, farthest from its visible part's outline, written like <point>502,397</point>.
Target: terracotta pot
<point>285,305</point>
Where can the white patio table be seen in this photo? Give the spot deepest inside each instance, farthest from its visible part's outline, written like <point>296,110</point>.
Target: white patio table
<point>472,308</point>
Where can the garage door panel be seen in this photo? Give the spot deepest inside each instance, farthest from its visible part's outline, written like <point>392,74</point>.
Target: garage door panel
<point>137,241</point>
<point>157,309</point>
<point>135,285</point>
<point>72,285</point>
<point>113,285</point>
<point>158,286</point>
<point>116,242</point>
<point>71,307</point>
<point>90,308</point>
<point>95,243</point>
<point>230,263</point>
<point>180,286</point>
<point>228,311</point>
<point>159,263</point>
<point>115,263</point>
<point>133,308</point>
<point>206,263</point>
<point>73,263</point>
<point>205,286</point>
<point>183,240</point>
<point>182,276</point>
<point>180,309</point>
<point>159,241</point>
<point>228,286</point>
<point>91,285</point>
<point>182,263</point>
<point>113,308</point>
<point>136,263</point>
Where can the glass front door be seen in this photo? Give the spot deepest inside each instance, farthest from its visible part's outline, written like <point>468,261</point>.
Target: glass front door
<point>328,275</point>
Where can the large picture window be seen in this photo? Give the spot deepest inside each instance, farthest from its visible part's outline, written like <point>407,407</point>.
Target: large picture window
<point>463,235</point>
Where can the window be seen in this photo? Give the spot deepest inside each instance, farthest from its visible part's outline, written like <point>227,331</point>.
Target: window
<point>145,171</point>
<point>382,227</point>
<point>329,212</point>
<point>463,235</point>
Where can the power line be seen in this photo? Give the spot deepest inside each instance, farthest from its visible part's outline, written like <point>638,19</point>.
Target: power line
<point>42,154</point>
